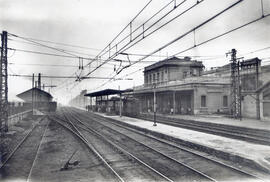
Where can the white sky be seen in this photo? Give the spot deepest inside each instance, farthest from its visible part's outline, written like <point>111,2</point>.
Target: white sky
<point>94,23</point>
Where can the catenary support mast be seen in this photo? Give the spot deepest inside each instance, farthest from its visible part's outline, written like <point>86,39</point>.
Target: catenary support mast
<point>4,84</point>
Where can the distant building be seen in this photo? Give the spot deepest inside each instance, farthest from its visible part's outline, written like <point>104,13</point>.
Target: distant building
<point>37,99</point>
<point>79,100</point>
<point>181,89</point>
<point>35,94</point>
<point>264,94</point>
<point>249,87</point>
<point>171,70</point>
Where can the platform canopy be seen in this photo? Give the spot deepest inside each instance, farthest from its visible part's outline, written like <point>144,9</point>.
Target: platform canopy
<point>107,92</point>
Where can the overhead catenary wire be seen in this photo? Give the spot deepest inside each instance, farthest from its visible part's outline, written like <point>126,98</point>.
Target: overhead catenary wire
<point>190,31</point>
<point>124,28</point>
<point>179,53</point>
<point>144,30</point>
<point>63,56</point>
<point>60,77</point>
<point>35,44</point>
<point>181,36</point>
<point>177,16</point>
<point>124,47</point>
<point>221,35</point>
<point>48,65</point>
<point>49,47</point>
<point>211,39</point>
<point>148,20</point>
<point>59,43</point>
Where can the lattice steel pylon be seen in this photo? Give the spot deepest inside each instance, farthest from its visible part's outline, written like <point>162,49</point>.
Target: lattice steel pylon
<point>3,85</point>
<point>235,86</point>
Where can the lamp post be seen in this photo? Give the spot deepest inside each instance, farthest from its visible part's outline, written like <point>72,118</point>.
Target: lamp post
<point>155,104</point>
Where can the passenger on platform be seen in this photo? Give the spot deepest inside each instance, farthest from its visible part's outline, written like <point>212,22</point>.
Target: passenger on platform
<point>171,111</point>
<point>182,110</point>
<point>189,110</point>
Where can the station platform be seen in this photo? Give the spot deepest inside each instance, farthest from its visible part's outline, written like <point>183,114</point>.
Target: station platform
<point>255,155</point>
<point>221,119</point>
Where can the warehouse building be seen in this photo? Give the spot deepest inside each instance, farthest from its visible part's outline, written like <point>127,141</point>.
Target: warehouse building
<point>38,99</point>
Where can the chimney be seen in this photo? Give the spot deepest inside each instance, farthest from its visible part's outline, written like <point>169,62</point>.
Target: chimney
<point>186,58</point>
<point>39,81</point>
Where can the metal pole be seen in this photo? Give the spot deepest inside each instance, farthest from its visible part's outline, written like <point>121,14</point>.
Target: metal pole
<point>90,103</point>
<point>257,94</point>
<point>155,106</point>
<point>174,103</point>
<point>120,102</point>
<point>239,114</point>
<point>33,80</point>
<point>3,85</point>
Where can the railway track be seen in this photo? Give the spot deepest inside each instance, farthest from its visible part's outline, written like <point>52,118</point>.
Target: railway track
<point>121,163</point>
<point>168,167</point>
<point>18,164</point>
<point>158,149</point>
<point>257,136</point>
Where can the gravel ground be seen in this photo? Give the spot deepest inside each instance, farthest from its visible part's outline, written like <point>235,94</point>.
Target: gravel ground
<point>17,132</point>
<point>57,146</point>
<point>19,165</point>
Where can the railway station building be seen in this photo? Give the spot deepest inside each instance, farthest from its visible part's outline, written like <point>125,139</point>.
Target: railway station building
<point>181,88</point>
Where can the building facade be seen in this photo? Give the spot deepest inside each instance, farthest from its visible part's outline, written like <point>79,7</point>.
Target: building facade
<point>180,88</point>
<point>254,81</point>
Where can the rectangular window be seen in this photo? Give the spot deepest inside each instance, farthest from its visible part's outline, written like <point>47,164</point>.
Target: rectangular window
<point>203,101</point>
<point>157,77</point>
<point>150,79</point>
<point>194,72</point>
<point>162,76</point>
<point>225,101</point>
<point>184,74</point>
<point>154,78</point>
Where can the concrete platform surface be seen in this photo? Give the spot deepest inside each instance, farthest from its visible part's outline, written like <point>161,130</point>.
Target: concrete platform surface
<point>259,154</point>
<point>219,119</point>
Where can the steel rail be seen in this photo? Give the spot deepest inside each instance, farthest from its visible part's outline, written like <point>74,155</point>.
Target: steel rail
<point>20,143</point>
<point>166,156</point>
<point>86,142</point>
<point>174,146</point>
<point>184,149</point>
<point>236,134</point>
<point>31,170</point>
<point>120,149</point>
<point>249,131</point>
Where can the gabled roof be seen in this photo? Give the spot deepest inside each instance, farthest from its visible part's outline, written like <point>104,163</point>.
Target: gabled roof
<point>107,92</point>
<point>21,95</point>
<point>174,61</point>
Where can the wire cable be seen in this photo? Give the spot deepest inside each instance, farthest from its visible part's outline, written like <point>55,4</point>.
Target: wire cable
<point>223,34</point>
<point>211,39</point>
<point>124,28</point>
<point>58,43</point>
<point>60,77</point>
<point>124,49</point>
<point>49,47</point>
